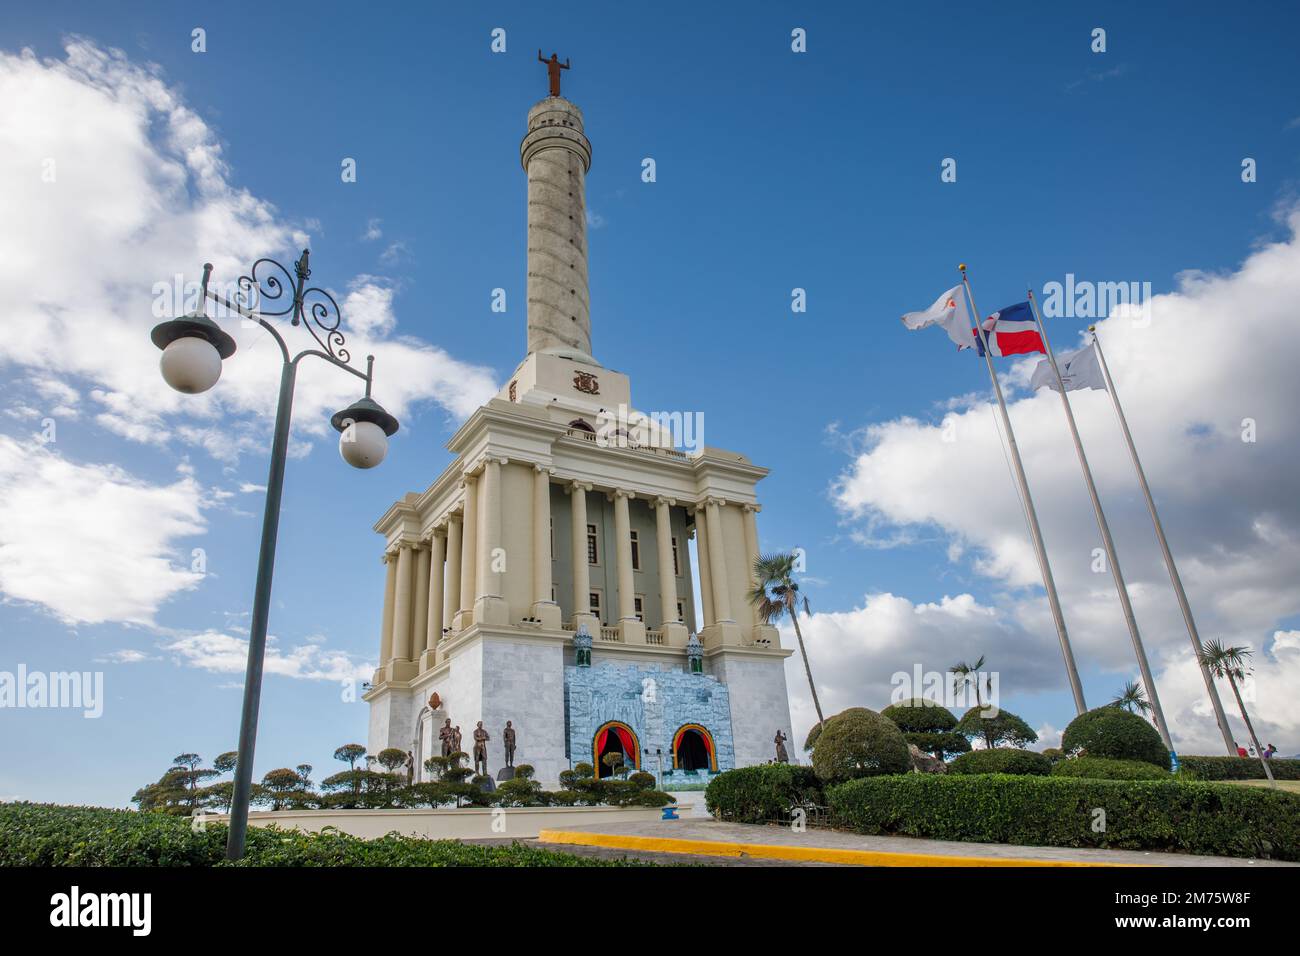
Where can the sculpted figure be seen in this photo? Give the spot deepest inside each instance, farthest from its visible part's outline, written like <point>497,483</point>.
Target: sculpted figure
<point>445,734</point>
<point>779,740</point>
<point>508,738</point>
<point>455,740</point>
<point>480,748</point>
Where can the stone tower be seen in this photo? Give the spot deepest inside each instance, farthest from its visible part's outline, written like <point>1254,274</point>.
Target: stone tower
<point>557,530</point>
<point>557,156</point>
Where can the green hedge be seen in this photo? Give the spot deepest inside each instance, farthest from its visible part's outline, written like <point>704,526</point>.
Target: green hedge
<point>762,794</point>
<point>1113,732</point>
<point>1203,818</point>
<point>1103,768</point>
<point>47,835</point>
<point>1237,768</point>
<point>1001,760</point>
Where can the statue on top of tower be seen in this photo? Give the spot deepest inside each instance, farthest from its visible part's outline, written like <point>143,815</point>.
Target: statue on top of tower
<point>553,68</point>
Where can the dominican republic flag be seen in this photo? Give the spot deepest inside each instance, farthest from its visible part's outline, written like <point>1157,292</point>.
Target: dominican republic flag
<point>1010,331</point>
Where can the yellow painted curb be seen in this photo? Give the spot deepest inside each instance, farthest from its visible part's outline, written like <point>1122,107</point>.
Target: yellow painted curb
<point>619,841</point>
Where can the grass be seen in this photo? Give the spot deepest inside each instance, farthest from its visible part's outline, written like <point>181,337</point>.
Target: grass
<point>1292,786</point>
<point>49,835</point>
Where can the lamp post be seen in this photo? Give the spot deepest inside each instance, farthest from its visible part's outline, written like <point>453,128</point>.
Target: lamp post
<point>194,348</point>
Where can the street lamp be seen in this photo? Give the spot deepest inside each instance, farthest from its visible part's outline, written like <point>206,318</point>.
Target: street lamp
<point>194,348</point>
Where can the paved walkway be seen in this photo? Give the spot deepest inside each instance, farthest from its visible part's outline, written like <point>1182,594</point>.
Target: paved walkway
<point>705,837</point>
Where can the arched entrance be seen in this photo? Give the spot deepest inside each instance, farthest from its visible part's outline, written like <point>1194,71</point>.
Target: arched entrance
<point>693,749</point>
<point>615,737</point>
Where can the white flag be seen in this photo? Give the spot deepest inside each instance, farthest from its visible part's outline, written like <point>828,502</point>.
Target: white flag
<point>1078,370</point>
<point>948,312</point>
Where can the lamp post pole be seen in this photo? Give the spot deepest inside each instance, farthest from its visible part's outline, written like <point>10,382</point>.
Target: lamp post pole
<point>364,431</point>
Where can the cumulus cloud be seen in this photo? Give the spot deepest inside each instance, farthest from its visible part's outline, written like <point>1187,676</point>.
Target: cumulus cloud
<point>223,653</point>
<point>123,192</point>
<point>91,542</point>
<point>1213,415</point>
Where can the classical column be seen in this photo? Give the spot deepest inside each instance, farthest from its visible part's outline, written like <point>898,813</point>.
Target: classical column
<point>451,589</point>
<point>674,630</point>
<point>623,555</point>
<point>718,561</point>
<point>402,606</point>
<point>544,609</point>
<point>420,613</point>
<point>490,606</point>
<point>469,555</point>
<point>581,570</point>
<point>433,623</point>
<point>706,583</point>
<point>751,553</point>
<point>390,593</point>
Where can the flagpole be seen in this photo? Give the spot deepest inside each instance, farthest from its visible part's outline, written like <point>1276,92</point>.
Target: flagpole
<point>1219,716</point>
<point>1049,583</point>
<point>1107,541</point>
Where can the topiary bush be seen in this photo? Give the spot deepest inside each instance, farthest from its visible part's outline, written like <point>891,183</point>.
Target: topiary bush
<point>928,725</point>
<point>1003,727</point>
<point>1206,818</point>
<point>859,743</point>
<point>1113,732</point>
<point>1002,760</point>
<point>1104,768</point>
<point>1236,768</point>
<point>762,794</point>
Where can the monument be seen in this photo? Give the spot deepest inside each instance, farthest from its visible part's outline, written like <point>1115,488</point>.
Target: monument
<point>548,574</point>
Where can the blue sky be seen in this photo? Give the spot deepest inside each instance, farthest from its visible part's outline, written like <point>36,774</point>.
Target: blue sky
<point>775,170</point>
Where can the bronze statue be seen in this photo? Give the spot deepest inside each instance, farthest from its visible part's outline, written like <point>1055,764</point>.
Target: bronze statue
<point>455,740</point>
<point>446,734</point>
<point>553,68</point>
<point>779,740</point>
<point>410,768</point>
<point>508,738</point>
<point>480,748</point>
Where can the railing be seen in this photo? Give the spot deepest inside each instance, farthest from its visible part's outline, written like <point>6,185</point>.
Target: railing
<point>583,435</point>
<point>654,637</point>
<point>610,634</point>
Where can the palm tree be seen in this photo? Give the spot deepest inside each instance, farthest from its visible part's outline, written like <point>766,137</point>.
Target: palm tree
<point>1234,663</point>
<point>1132,698</point>
<point>964,674</point>
<point>775,593</point>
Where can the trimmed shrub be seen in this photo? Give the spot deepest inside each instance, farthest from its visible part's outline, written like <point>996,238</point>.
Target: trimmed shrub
<point>859,743</point>
<point>1237,768</point>
<point>1004,728</point>
<point>1002,760</point>
<point>928,725</point>
<point>1103,768</point>
<point>1113,732</point>
<point>762,794</point>
<point>47,835</point>
<point>1165,815</point>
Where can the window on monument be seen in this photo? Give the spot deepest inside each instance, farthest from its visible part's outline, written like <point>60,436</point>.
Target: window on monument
<point>677,570</point>
<point>593,555</point>
<point>594,600</point>
<point>637,604</point>
<point>681,611</point>
<point>579,424</point>
<point>636,551</point>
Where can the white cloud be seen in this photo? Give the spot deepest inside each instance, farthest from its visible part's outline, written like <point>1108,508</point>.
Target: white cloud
<point>223,653</point>
<point>90,542</point>
<point>372,230</point>
<point>119,186</point>
<point>1219,351</point>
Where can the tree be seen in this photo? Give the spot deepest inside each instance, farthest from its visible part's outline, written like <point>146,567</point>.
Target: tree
<point>776,593</point>
<point>859,743</point>
<point>927,725</point>
<point>166,795</point>
<point>1233,662</point>
<point>1132,698</point>
<point>350,754</point>
<point>1005,728</point>
<point>614,761</point>
<point>304,775</point>
<point>225,763</point>
<point>189,773</point>
<point>964,675</point>
<point>280,784</point>
<point>391,758</point>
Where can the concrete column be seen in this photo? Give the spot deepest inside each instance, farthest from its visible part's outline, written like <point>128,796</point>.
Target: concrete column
<point>451,589</point>
<point>581,570</point>
<point>437,597</point>
<point>623,555</point>
<point>402,606</point>
<point>674,631</point>
<point>751,554</point>
<point>468,555</point>
<point>706,581</point>
<point>718,561</point>
<point>490,607</point>
<point>386,624</point>
<point>420,612</point>
<point>544,609</point>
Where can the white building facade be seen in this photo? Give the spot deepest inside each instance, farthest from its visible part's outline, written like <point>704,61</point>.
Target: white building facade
<point>566,521</point>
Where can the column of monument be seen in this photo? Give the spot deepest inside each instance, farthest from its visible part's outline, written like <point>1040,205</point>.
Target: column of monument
<point>468,555</point>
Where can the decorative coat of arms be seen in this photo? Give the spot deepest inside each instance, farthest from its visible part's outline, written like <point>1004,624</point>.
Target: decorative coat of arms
<point>586,382</point>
